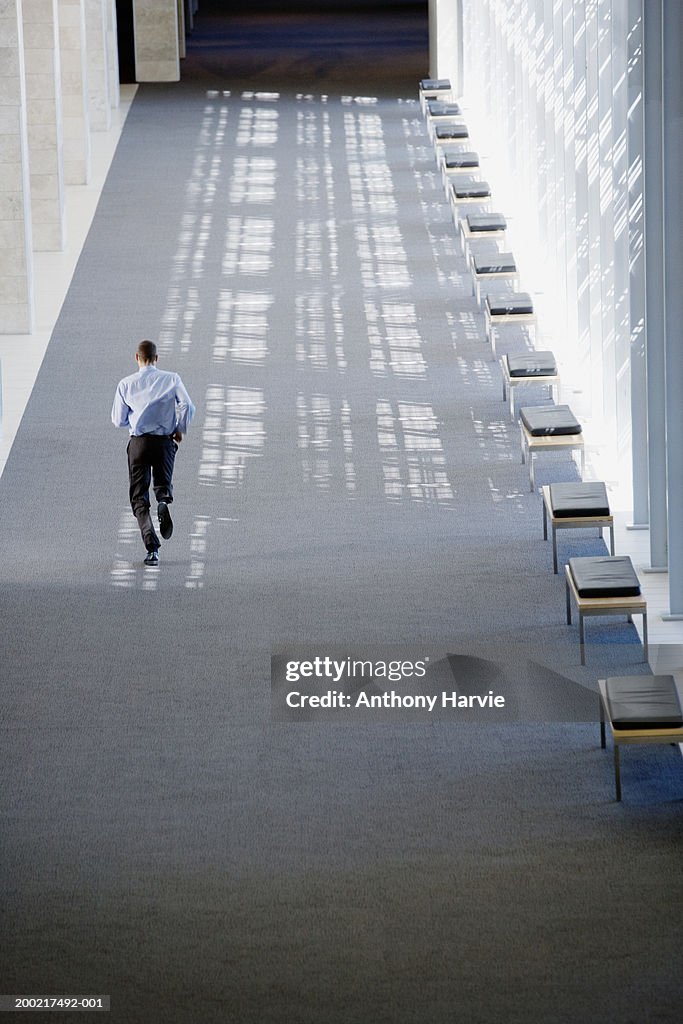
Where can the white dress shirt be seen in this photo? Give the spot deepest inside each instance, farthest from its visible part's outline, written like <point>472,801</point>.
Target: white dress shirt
<point>152,401</point>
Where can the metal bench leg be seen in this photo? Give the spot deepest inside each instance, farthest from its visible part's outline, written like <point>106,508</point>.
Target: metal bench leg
<point>555,550</point>
<point>512,404</point>
<point>569,603</point>
<point>583,462</point>
<point>645,644</point>
<point>545,522</point>
<point>532,474</point>
<point>611,543</point>
<point>582,639</point>
<point>603,742</point>
<point>617,772</point>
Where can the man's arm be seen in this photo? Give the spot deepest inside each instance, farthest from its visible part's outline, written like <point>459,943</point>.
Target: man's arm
<point>120,410</point>
<point>184,409</point>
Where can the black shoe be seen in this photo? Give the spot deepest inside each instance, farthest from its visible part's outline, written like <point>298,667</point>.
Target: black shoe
<point>165,521</point>
<point>152,557</point>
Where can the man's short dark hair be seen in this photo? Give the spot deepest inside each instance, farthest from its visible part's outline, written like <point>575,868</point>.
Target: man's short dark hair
<point>147,351</point>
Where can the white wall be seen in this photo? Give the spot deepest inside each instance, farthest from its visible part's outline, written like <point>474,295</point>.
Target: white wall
<point>553,105</point>
<point>47,106</point>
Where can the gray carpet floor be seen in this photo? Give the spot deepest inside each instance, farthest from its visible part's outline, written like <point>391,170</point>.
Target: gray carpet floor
<point>351,479</point>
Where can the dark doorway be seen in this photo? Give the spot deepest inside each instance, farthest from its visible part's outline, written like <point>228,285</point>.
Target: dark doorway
<point>377,46</point>
<point>126,40</point>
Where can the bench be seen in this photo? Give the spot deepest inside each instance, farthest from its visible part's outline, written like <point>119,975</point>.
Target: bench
<point>468,193</point>
<point>576,506</point>
<point>639,709</point>
<point>436,108</point>
<point>456,162</point>
<point>441,113</point>
<point>510,308</point>
<point>434,89</point>
<point>449,131</point>
<point>604,585</point>
<point>481,226</point>
<point>491,266</point>
<point>549,428</point>
<point>528,368</point>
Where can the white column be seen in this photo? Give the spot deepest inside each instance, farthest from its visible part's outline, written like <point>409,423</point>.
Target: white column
<point>593,171</point>
<point>113,54</point>
<point>74,74</point>
<point>620,230</point>
<point>583,261</point>
<point>157,56</point>
<point>634,146</point>
<point>672,105</point>
<point>560,255</point>
<point>16,295</point>
<point>99,107</point>
<point>445,41</point>
<point>653,183</point>
<point>548,128</point>
<point>543,182</point>
<point>44,121</point>
<point>605,239</point>
<point>433,38</point>
<point>529,201</point>
<point>569,173</point>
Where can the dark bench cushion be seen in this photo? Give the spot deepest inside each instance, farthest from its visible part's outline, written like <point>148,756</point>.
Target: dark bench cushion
<point>455,158</point>
<point>471,190</point>
<point>437,108</point>
<point>549,420</point>
<point>531,364</point>
<point>486,222</point>
<point>579,498</point>
<point>435,84</point>
<point>509,304</point>
<point>643,702</point>
<point>494,263</point>
<point>604,576</point>
<point>451,131</point>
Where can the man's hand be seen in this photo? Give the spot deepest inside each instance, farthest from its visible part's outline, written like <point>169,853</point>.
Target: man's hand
<point>177,436</point>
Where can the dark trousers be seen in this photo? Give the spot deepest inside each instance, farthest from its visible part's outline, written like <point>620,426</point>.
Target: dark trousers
<point>150,458</point>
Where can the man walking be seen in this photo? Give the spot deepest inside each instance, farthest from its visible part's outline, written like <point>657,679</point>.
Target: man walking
<point>157,410</point>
